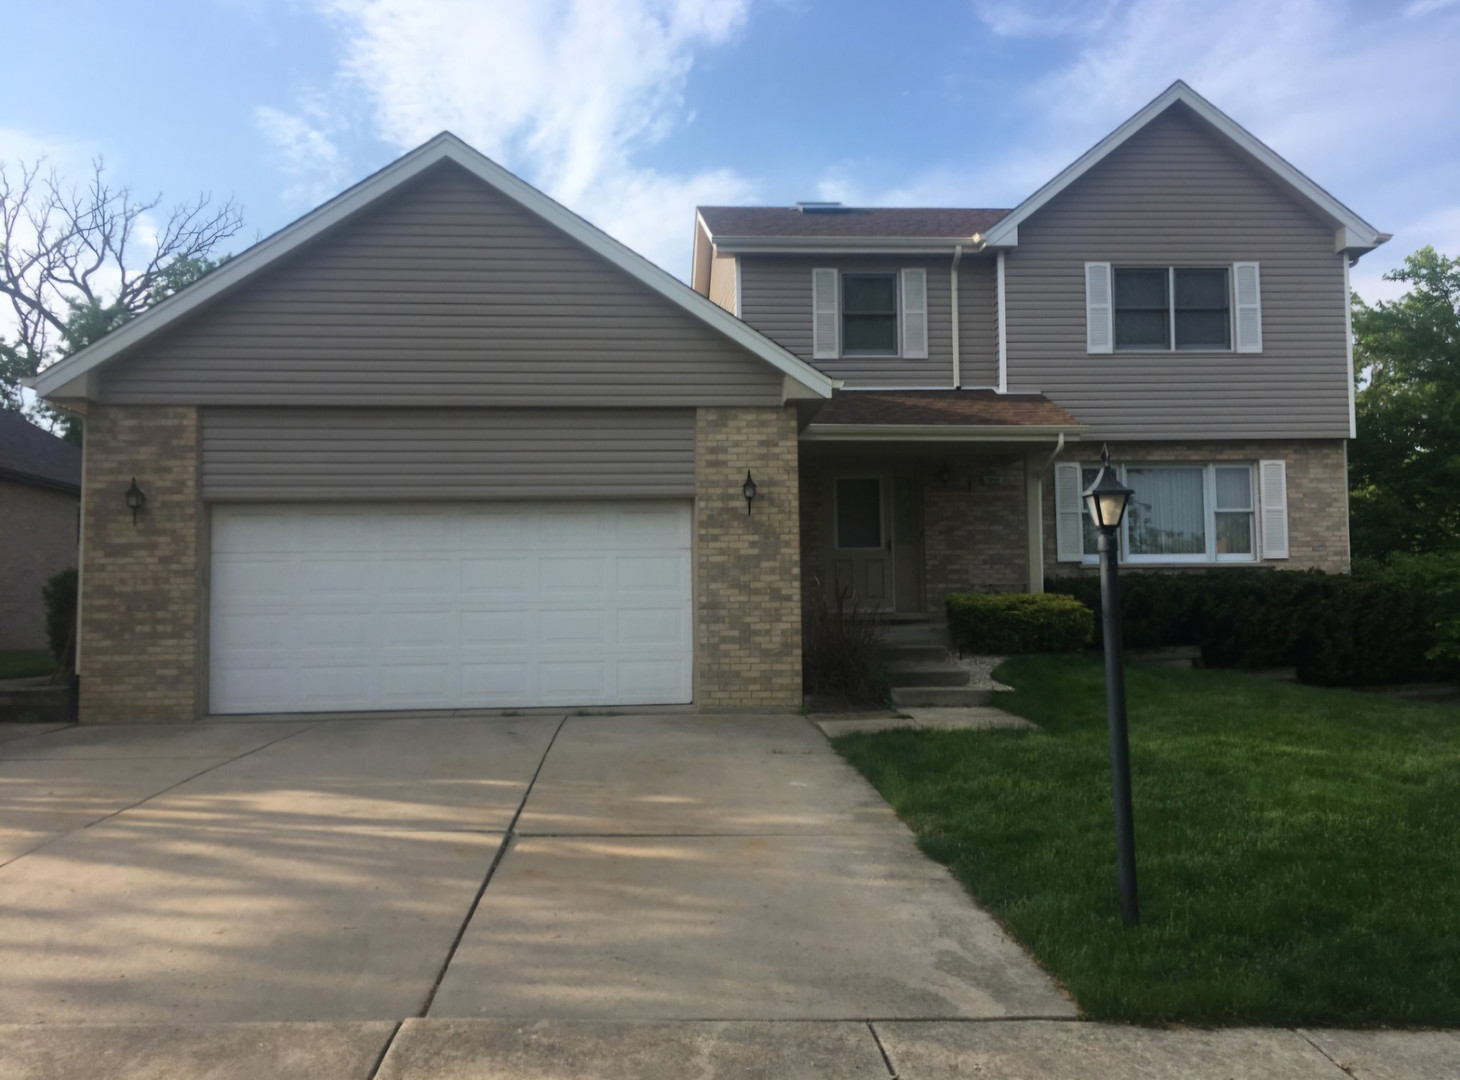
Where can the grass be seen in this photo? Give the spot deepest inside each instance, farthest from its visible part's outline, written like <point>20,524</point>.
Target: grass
<point>23,665</point>
<point>1298,849</point>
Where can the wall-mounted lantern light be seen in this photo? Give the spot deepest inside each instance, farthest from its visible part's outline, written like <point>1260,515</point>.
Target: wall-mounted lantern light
<point>748,490</point>
<point>135,498</point>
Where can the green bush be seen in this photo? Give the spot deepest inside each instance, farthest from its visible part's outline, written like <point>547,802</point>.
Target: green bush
<point>1335,629</point>
<point>60,596</point>
<point>1005,624</point>
<point>1436,579</point>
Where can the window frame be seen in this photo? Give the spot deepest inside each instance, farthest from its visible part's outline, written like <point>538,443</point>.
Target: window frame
<point>1171,346</point>
<point>859,354</point>
<point>1209,517</point>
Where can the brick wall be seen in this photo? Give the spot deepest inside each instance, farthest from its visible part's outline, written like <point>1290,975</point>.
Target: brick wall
<point>38,535</point>
<point>139,614</point>
<point>748,573</point>
<point>1317,494</point>
<point>976,536</point>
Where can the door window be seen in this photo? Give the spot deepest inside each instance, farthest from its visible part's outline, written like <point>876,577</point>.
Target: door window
<point>859,513</point>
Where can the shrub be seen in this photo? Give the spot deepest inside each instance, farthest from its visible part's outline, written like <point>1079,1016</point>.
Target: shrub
<point>1436,579</point>
<point>1335,629</point>
<point>840,655</point>
<point>60,596</point>
<point>1008,623</point>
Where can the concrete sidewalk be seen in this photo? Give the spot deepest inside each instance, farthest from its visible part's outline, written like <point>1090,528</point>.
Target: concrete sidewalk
<point>542,896</point>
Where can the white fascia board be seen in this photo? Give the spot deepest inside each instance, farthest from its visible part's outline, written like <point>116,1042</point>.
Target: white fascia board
<point>444,147</point>
<point>938,433</point>
<point>1363,235</point>
<point>845,245</point>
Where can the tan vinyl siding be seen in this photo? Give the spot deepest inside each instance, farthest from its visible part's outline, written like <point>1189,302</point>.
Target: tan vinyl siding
<point>978,321</point>
<point>775,292</point>
<point>405,453</point>
<point>1175,196</point>
<point>722,282</point>
<point>446,294</point>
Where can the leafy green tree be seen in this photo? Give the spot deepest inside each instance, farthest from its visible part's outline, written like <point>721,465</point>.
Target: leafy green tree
<point>78,261</point>
<point>1404,467</point>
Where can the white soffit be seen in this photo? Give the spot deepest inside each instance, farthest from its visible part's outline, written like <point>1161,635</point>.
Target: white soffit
<point>58,379</point>
<point>1353,232</point>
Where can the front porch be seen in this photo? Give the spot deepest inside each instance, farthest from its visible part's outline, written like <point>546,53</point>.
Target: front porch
<point>907,496</point>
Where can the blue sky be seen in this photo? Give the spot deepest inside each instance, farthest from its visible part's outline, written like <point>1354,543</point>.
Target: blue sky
<point>633,111</point>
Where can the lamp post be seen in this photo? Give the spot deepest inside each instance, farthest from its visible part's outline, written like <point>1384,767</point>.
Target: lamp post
<point>1106,500</point>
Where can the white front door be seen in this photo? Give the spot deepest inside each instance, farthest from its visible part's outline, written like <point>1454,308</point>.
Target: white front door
<point>449,605</point>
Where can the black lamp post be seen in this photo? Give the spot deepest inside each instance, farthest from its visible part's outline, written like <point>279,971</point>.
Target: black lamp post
<point>1106,500</point>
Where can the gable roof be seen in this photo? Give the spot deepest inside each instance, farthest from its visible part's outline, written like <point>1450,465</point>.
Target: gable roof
<point>34,456</point>
<point>1352,233</point>
<point>729,224</point>
<point>68,378</point>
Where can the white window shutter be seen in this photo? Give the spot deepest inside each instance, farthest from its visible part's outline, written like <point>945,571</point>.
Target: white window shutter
<point>1099,309</point>
<point>915,314</point>
<point>1069,529</point>
<point>1248,289</point>
<point>824,315</point>
<point>1273,490</point>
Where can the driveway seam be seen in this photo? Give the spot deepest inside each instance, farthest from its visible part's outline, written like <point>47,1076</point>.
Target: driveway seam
<point>1340,1066</point>
<point>886,1057</point>
<point>155,794</point>
<point>384,1050</point>
<point>507,837</point>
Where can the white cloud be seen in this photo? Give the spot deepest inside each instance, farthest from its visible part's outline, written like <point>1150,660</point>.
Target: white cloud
<point>306,149</point>
<point>1045,18</point>
<point>567,93</point>
<point>1421,8</point>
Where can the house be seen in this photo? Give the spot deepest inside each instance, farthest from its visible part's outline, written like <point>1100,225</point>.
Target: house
<point>40,490</point>
<point>442,444</point>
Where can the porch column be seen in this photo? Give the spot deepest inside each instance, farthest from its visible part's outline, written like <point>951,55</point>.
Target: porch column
<point>1034,519</point>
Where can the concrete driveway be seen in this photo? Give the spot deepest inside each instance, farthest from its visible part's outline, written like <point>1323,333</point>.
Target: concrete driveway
<point>323,882</point>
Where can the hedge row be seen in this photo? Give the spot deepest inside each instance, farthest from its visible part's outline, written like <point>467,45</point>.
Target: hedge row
<point>1335,629</point>
<point>1003,624</point>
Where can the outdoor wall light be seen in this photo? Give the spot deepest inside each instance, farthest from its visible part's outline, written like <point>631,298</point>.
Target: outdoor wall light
<point>748,490</point>
<point>135,499</point>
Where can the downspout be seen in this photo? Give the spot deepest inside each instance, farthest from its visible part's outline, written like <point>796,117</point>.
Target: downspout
<point>1003,333</point>
<point>953,287</point>
<point>1034,515</point>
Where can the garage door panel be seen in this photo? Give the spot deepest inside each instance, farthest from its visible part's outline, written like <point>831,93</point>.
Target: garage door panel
<point>450,606</point>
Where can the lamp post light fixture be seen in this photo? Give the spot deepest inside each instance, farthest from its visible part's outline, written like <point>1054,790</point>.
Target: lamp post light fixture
<point>1106,500</point>
<point>748,490</point>
<point>135,499</point>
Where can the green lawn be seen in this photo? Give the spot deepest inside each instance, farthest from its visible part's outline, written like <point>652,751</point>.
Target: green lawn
<point>21,665</point>
<point>1298,849</point>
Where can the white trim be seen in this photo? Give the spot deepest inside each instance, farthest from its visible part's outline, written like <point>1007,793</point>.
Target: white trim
<point>444,147</point>
<point>739,311</point>
<point>1003,328</point>
<point>953,310</point>
<point>1348,337</point>
<point>937,433</point>
<point>1360,234</point>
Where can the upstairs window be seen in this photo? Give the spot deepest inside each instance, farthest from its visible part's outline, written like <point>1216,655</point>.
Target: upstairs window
<point>869,314</point>
<point>1172,308</point>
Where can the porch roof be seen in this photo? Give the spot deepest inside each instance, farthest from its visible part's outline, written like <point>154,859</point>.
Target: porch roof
<point>982,415</point>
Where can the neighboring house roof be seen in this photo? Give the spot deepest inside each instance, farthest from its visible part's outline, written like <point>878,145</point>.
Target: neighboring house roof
<point>1353,233</point>
<point>726,222</point>
<point>68,379</point>
<point>32,455</point>
<point>940,414</point>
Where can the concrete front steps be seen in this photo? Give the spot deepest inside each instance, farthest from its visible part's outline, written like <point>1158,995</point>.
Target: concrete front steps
<point>919,666</point>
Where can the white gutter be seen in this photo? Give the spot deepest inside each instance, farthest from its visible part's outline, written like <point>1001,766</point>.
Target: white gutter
<point>1003,333</point>
<point>953,288</point>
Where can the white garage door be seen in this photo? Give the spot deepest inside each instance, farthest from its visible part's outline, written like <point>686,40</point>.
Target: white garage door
<point>437,606</point>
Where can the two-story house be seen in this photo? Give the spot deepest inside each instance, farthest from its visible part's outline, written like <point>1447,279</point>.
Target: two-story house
<point>1180,292</point>
<point>441,444</point>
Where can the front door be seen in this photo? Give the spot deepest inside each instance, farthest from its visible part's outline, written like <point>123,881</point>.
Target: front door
<point>863,571</point>
<point>907,543</point>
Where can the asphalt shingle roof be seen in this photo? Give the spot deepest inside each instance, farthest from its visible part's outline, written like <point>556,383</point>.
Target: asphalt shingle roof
<point>787,221</point>
<point>977,408</point>
<point>32,455</point>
